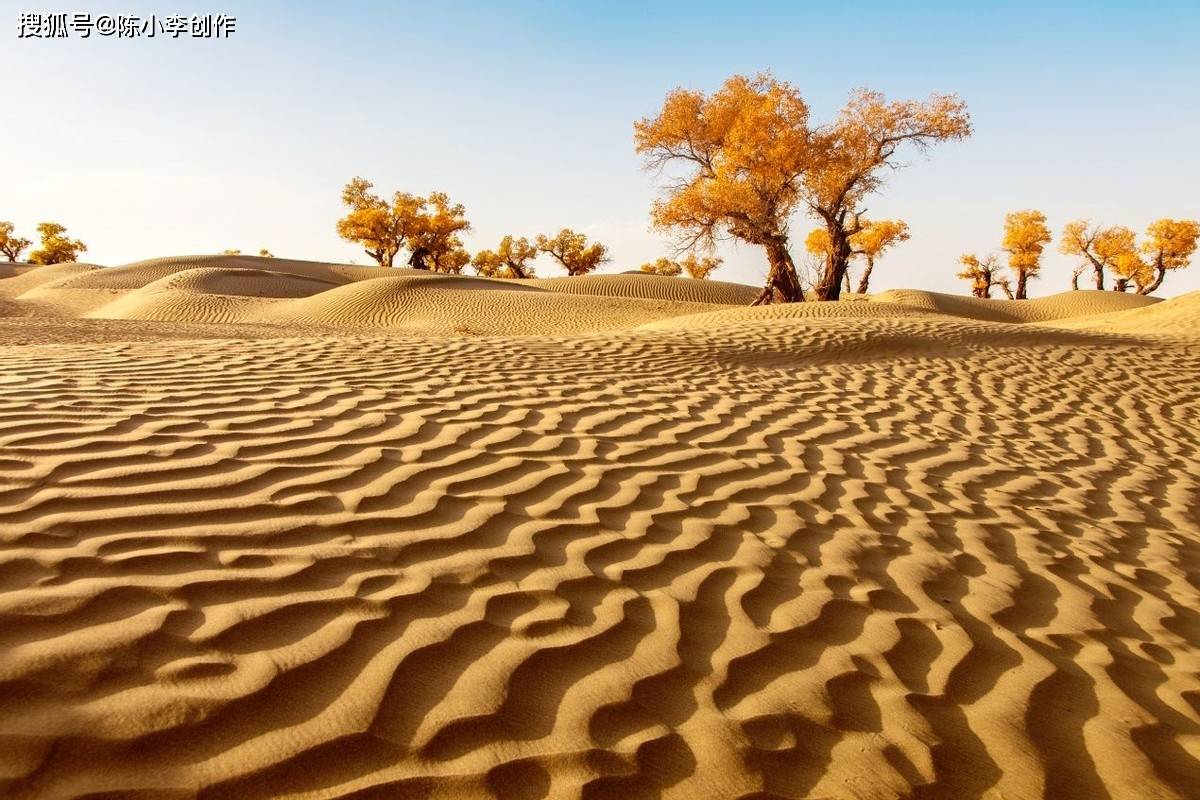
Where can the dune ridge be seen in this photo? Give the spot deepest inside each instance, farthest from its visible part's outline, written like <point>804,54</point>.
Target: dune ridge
<point>879,548</point>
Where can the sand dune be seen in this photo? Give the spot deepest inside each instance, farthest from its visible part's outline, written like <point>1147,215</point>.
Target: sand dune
<point>292,531</point>
<point>1064,305</point>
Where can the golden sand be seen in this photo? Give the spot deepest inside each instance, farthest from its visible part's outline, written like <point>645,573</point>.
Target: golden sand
<point>280,529</point>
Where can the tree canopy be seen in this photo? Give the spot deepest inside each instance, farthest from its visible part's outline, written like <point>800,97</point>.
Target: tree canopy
<point>1025,237</point>
<point>11,245</point>
<point>750,159</point>
<point>56,246</point>
<point>571,250</point>
<point>510,259</point>
<point>427,226</point>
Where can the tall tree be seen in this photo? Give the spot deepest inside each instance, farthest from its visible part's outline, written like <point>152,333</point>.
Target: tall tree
<point>1025,237</point>
<point>56,247</point>
<point>11,246</point>
<point>509,260</point>
<point>1169,246</point>
<point>983,273</point>
<point>572,251</point>
<point>433,237</point>
<point>750,160</point>
<point>851,154</point>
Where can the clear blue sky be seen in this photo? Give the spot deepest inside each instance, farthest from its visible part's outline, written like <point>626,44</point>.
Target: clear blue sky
<point>524,112</point>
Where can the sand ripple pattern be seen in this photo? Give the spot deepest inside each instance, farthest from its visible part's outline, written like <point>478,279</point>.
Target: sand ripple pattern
<point>838,558</point>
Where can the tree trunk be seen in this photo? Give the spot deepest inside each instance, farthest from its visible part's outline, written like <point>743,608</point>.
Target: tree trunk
<point>1159,274</point>
<point>782,278</point>
<point>865,280</point>
<point>836,263</point>
<point>517,270</point>
<point>846,282</point>
<point>1099,277</point>
<point>1022,280</point>
<point>417,260</point>
<point>1121,285</point>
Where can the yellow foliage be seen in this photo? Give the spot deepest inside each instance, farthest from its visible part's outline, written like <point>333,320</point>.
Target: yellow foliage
<point>509,260</point>
<point>11,246</point>
<point>572,251</point>
<point>694,266</point>
<point>663,266</point>
<point>427,226</point>
<point>56,247</point>
<point>751,159</point>
<point>983,273</point>
<point>1025,237</point>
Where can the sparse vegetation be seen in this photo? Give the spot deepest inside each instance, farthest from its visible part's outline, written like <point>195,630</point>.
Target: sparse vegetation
<point>56,246</point>
<point>571,250</point>
<point>11,245</point>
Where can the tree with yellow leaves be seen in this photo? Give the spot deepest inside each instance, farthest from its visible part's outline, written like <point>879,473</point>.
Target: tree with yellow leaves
<point>509,260</point>
<point>663,266</point>
<point>871,240</point>
<point>751,160</point>
<point>265,253</point>
<point>56,247</point>
<point>382,228</point>
<point>1100,246</point>
<point>572,251</point>
<point>700,267</point>
<point>693,265</point>
<point>1025,237</point>
<point>433,236</point>
<point>11,245</point>
<point>983,273</point>
<point>1170,245</point>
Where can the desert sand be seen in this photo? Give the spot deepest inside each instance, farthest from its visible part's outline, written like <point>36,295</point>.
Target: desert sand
<point>283,529</point>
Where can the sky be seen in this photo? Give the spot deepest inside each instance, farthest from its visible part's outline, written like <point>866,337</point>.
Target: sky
<point>523,112</point>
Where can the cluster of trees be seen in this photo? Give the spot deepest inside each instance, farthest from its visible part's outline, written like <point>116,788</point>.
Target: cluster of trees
<point>1168,245</point>
<point>429,229</point>
<point>56,247</point>
<point>691,264</point>
<point>740,163</point>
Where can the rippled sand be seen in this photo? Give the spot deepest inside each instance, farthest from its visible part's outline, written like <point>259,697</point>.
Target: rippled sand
<point>612,537</point>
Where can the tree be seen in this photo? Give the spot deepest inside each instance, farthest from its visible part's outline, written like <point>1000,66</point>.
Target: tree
<point>699,267</point>
<point>751,160</point>
<point>11,246</point>
<point>433,235</point>
<point>382,228</point>
<point>1025,237</point>
<point>983,273</point>
<point>849,160</point>
<point>509,260</point>
<point>1170,246</point>
<point>56,247</point>
<point>572,251</point>
<point>871,240</point>
<point>231,252</point>
<point>265,253</point>
<point>1081,238</point>
<point>663,266</point>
